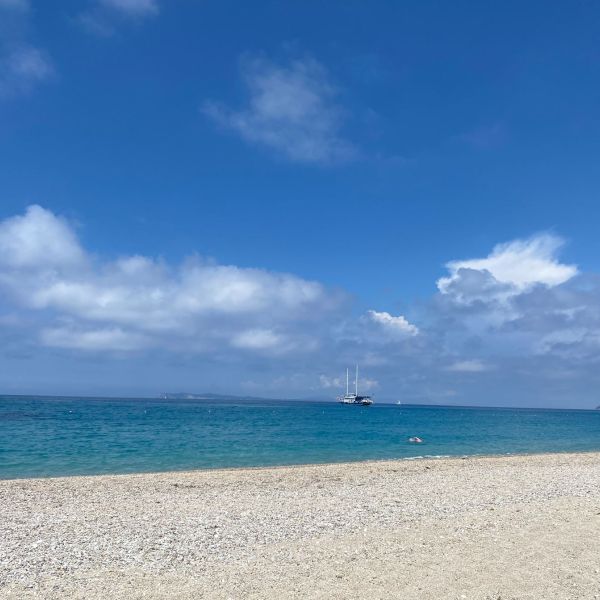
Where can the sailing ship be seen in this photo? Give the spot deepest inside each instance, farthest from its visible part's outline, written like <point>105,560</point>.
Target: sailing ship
<point>354,398</point>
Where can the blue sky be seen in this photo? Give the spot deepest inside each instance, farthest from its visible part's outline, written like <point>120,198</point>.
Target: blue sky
<point>246,197</point>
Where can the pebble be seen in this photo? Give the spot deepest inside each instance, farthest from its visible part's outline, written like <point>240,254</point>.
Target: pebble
<point>164,522</point>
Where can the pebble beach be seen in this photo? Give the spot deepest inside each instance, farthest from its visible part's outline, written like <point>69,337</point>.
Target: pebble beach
<point>493,528</point>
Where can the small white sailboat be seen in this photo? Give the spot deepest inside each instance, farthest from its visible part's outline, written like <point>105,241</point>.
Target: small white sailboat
<point>354,398</point>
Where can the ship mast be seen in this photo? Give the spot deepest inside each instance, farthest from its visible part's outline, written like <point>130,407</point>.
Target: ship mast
<point>356,382</point>
<point>347,381</point>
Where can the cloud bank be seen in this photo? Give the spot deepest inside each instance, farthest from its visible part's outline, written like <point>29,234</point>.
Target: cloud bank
<point>137,302</point>
<point>516,319</point>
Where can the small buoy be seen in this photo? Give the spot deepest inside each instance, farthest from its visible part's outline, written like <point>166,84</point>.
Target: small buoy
<point>415,440</point>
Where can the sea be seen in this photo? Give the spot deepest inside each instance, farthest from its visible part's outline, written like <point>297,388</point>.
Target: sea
<point>59,436</point>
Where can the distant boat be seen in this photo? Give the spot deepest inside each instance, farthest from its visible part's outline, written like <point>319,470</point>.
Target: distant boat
<point>398,402</point>
<point>354,399</point>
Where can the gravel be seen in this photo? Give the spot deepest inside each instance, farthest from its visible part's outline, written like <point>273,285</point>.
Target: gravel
<point>345,530</point>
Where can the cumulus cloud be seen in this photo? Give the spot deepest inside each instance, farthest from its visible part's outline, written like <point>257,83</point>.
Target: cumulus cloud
<point>292,110</point>
<point>396,325</point>
<point>533,326</point>
<point>509,269</point>
<point>38,239</point>
<point>562,322</point>
<point>520,301</point>
<point>138,301</point>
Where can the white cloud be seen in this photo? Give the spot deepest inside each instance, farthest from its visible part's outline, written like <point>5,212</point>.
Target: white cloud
<point>364,383</point>
<point>468,366</point>
<point>103,17</point>
<point>397,325</point>
<point>29,64</point>
<point>291,110</point>
<point>576,342</point>
<point>38,239</point>
<point>257,339</point>
<point>22,68</point>
<point>520,301</point>
<point>156,296</point>
<point>331,382</point>
<point>55,293</point>
<point>111,338</point>
<point>136,300</point>
<point>514,267</point>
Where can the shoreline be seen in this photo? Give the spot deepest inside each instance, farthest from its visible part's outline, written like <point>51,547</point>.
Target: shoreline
<point>515,527</point>
<point>367,461</point>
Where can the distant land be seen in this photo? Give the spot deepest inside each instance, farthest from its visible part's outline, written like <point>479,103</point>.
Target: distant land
<point>411,402</point>
<point>210,396</point>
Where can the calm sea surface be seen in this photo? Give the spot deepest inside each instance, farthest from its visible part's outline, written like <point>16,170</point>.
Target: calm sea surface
<point>42,437</point>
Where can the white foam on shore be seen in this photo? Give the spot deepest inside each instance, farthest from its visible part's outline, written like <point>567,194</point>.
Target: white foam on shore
<point>425,456</point>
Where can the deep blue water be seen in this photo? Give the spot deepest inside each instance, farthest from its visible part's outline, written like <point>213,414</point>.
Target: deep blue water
<point>82,436</point>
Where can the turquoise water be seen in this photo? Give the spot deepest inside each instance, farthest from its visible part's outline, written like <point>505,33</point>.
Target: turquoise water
<point>42,437</point>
